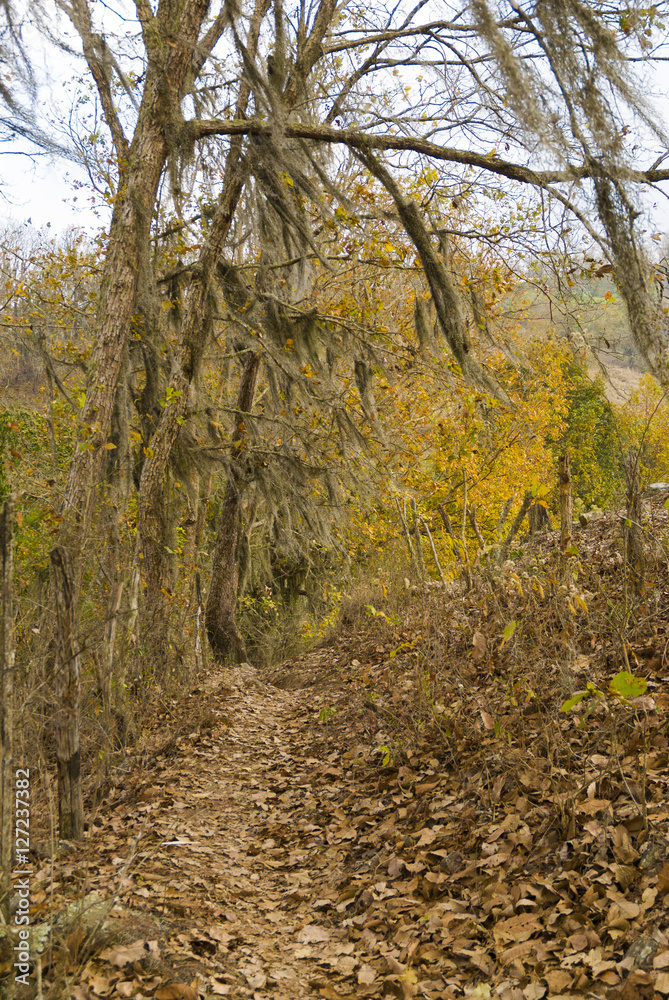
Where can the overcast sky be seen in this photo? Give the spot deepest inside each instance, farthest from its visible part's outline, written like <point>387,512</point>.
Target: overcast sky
<point>52,193</point>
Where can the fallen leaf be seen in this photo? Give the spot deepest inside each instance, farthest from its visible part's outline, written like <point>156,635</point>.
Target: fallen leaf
<point>312,933</point>
<point>366,975</point>
<point>479,644</point>
<point>124,954</point>
<point>176,991</point>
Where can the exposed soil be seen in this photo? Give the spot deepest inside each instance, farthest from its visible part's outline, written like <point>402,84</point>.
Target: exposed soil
<point>403,812</point>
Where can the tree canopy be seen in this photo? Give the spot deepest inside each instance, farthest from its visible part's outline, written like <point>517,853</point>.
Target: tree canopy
<point>309,205</point>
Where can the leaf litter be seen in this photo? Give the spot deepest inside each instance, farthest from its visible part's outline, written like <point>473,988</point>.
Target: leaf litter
<point>435,833</point>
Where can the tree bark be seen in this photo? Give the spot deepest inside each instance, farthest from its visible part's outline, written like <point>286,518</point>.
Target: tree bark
<point>515,527</point>
<point>168,69</point>
<point>538,519</point>
<point>418,541</point>
<point>67,690</point>
<point>402,511</point>
<point>223,633</point>
<point>171,41</point>
<point>6,708</point>
<point>633,532</point>
<point>180,399</point>
<point>565,502</point>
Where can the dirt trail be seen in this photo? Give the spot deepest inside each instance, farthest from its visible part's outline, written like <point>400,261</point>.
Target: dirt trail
<point>281,844</point>
<point>235,882</point>
<point>253,858</point>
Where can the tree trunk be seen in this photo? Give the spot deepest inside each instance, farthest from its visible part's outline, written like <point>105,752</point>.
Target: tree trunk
<point>199,650</point>
<point>67,690</point>
<point>402,511</point>
<point>171,51</point>
<point>538,519</point>
<point>180,397</point>
<point>459,548</point>
<point>221,611</point>
<point>633,532</point>
<point>6,709</point>
<point>515,527</point>
<point>565,503</point>
<point>418,542</point>
<point>108,647</point>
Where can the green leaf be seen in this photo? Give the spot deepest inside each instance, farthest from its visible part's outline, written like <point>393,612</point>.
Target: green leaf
<point>626,685</point>
<point>509,631</point>
<point>567,705</point>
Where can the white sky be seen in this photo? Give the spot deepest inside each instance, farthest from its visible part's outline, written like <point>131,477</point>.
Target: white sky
<point>54,194</point>
<point>41,192</point>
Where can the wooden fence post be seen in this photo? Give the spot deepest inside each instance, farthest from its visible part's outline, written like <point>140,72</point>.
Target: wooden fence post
<point>6,706</point>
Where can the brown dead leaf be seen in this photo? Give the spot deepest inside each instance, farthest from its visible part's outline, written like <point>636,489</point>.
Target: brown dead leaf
<point>312,933</point>
<point>625,875</point>
<point>517,951</point>
<point>256,980</point>
<point>663,879</point>
<point>124,954</point>
<point>220,989</point>
<point>518,928</point>
<point>487,720</point>
<point>128,988</point>
<point>394,966</point>
<point>579,941</point>
<point>626,908</point>
<point>427,836</point>
<point>395,866</point>
<point>346,965</point>
<point>100,985</point>
<point>559,980</point>
<point>329,993</point>
<point>176,991</point>
<point>534,991</point>
<point>480,646</point>
<point>593,806</point>
<point>366,975</point>
<point>623,845</point>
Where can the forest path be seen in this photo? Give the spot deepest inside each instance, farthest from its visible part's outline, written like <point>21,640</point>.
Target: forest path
<point>246,847</point>
<point>306,833</point>
<point>391,816</point>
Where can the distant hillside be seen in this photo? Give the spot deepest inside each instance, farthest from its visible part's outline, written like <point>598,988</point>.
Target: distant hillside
<point>594,320</point>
